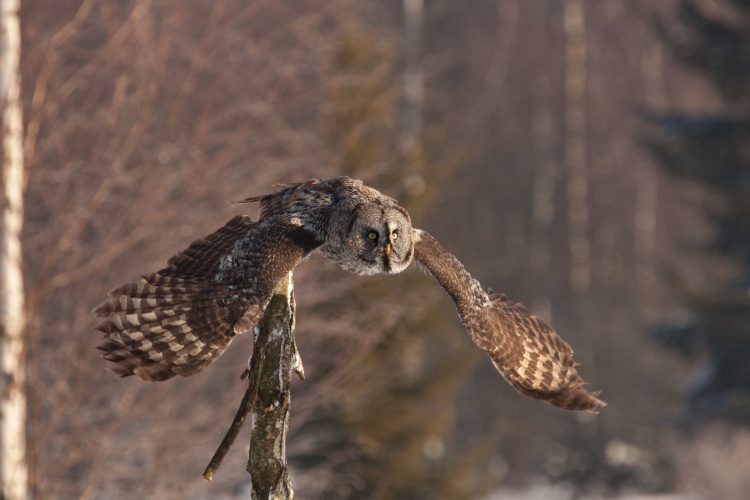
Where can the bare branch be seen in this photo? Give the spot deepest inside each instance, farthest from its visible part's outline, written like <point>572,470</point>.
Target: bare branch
<point>234,429</point>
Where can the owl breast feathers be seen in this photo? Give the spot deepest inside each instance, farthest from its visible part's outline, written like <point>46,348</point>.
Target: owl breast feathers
<point>179,319</point>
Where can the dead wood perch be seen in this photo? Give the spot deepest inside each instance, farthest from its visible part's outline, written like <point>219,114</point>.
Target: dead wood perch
<point>274,358</point>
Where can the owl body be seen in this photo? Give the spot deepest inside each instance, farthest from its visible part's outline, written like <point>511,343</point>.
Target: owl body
<point>361,229</point>
<point>178,320</point>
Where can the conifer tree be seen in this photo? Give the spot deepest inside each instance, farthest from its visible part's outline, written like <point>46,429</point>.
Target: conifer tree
<point>711,150</point>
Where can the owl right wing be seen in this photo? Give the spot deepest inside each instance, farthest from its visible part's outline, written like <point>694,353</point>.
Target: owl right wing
<point>178,320</point>
<point>526,351</point>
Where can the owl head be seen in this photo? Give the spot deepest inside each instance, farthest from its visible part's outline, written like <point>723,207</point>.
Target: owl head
<point>378,238</point>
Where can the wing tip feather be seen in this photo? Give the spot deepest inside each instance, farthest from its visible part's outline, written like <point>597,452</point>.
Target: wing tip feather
<point>578,399</point>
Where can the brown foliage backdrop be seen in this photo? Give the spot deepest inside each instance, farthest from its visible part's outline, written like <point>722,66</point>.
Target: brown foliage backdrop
<point>143,118</point>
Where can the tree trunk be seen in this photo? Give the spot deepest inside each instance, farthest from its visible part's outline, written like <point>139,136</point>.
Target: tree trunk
<point>14,472</point>
<point>412,121</point>
<point>647,183</point>
<point>575,144</point>
<point>412,110</point>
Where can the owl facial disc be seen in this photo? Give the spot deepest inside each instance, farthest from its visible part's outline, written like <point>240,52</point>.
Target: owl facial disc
<point>378,240</point>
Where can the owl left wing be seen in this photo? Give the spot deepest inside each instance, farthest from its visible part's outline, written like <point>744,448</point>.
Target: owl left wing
<point>528,353</point>
<point>178,320</point>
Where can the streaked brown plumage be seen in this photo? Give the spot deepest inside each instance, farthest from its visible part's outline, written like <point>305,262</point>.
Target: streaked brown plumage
<point>177,320</point>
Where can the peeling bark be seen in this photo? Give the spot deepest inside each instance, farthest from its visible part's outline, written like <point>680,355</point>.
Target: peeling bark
<point>269,374</point>
<point>14,469</point>
<point>267,463</point>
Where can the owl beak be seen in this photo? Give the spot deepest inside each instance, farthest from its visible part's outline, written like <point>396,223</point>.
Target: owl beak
<point>387,249</point>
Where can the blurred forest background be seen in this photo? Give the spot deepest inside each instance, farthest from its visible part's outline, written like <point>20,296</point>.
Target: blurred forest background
<point>590,159</point>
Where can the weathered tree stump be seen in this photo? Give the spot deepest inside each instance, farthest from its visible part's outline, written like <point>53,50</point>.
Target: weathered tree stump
<point>267,396</point>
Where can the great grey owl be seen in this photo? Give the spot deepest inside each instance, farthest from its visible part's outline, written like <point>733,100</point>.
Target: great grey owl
<point>178,320</point>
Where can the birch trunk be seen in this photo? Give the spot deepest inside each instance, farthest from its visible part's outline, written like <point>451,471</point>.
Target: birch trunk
<point>412,121</point>
<point>412,118</point>
<point>647,182</point>
<point>575,144</point>
<point>267,463</point>
<point>13,470</point>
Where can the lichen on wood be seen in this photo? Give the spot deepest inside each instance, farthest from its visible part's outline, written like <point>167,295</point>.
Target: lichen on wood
<point>267,463</point>
<point>267,396</point>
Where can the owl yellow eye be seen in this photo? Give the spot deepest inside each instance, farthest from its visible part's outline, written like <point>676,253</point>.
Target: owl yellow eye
<point>372,235</point>
<point>394,235</point>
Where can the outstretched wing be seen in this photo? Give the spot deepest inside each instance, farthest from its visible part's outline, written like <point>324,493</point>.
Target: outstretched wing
<point>523,347</point>
<point>178,320</point>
